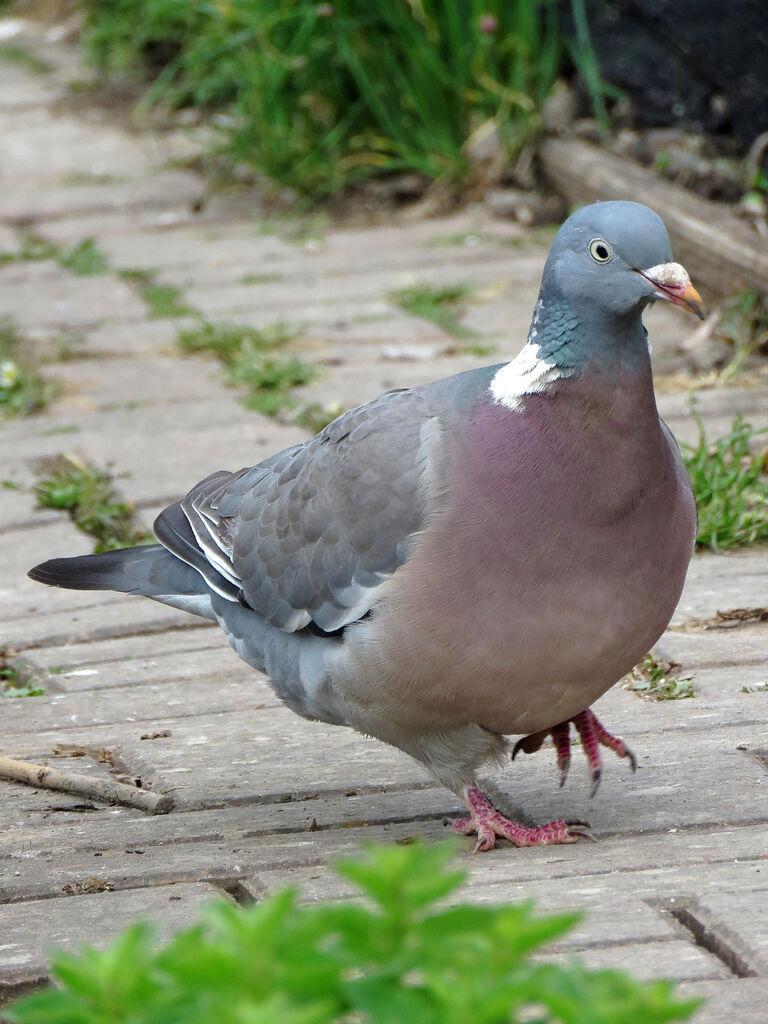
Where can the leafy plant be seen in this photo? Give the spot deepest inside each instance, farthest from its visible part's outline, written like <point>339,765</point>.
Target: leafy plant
<point>251,359</point>
<point>730,482</point>
<point>22,390</point>
<point>403,957</point>
<point>439,304</point>
<point>87,494</point>
<point>16,679</point>
<point>656,680</point>
<point>757,688</point>
<point>321,95</point>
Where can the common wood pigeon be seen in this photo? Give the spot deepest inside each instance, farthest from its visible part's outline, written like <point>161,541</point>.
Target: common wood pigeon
<point>452,564</point>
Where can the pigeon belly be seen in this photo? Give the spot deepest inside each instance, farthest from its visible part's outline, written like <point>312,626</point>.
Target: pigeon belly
<point>555,565</point>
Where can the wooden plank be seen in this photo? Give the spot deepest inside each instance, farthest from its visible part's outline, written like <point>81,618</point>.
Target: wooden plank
<point>737,999</point>
<point>648,867</point>
<point>30,930</point>
<point>107,830</point>
<point>721,252</point>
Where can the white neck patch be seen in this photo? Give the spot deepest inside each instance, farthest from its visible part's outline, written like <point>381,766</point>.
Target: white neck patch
<point>526,374</point>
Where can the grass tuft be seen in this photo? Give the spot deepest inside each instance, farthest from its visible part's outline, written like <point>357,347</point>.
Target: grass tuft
<point>730,482</point>
<point>15,53</point>
<point>17,678</point>
<point>757,688</point>
<point>315,415</point>
<point>88,495</point>
<point>439,304</point>
<point>23,391</point>
<point>658,680</point>
<point>744,325</point>
<point>252,360</point>
<point>162,300</point>
<point>84,258</point>
<point>319,96</point>
<point>260,278</point>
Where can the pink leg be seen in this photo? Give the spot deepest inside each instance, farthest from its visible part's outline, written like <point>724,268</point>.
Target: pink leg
<point>561,736</point>
<point>489,824</point>
<point>593,735</point>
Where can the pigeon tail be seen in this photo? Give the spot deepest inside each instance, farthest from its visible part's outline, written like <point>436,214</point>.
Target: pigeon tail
<point>149,570</point>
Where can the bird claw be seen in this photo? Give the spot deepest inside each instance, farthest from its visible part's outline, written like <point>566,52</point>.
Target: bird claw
<point>593,735</point>
<point>490,824</point>
<point>578,833</point>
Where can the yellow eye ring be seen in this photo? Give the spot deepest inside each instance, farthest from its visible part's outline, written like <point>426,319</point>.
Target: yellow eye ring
<point>600,251</point>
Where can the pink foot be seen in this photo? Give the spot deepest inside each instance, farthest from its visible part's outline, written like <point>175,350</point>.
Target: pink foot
<point>593,735</point>
<point>490,824</point>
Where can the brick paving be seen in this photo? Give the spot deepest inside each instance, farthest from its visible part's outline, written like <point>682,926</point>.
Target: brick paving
<point>678,882</point>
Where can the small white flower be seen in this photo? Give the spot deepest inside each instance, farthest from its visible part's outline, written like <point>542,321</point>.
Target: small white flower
<point>9,374</point>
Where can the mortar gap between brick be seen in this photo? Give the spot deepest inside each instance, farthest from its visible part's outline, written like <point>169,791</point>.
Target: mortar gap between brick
<point>686,914</point>
<point>237,889</point>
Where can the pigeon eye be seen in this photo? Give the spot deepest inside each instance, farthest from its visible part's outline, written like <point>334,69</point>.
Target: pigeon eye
<point>599,250</point>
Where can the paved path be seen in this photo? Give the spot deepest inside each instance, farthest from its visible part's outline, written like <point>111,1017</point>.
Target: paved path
<point>678,883</point>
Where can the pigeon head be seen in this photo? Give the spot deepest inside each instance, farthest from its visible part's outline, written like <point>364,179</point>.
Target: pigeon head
<point>607,263</point>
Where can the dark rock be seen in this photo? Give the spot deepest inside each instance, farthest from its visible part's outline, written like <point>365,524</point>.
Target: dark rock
<point>697,63</point>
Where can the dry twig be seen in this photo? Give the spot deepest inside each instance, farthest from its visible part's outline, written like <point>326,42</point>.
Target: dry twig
<point>108,790</point>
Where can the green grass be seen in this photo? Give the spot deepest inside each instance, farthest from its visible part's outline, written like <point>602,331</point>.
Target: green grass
<point>84,258</point>
<point>71,346</point>
<point>17,679</point>
<point>730,481</point>
<point>65,428</point>
<point>744,325</point>
<point>76,179</point>
<point>479,349</point>
<point>402,955</point>
<point>757,688</point>
<point>657,680</point>
<point>162,300</point>
<point>252,360</point>
<point>319,96</point>
<point>86,492</point>
<point>23,391</point>
<point>14,53</point>
<point>440,304</point>
<point>260,278</point>
<point>313,416</point>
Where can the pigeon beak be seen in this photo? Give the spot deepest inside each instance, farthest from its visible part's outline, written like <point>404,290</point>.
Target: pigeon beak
<point>673,284</point>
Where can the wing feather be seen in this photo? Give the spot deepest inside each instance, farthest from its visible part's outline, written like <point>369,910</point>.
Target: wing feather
<point>311,533</point>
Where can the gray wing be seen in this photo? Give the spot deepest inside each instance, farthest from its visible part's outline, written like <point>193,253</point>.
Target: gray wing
<point>311,533</point>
